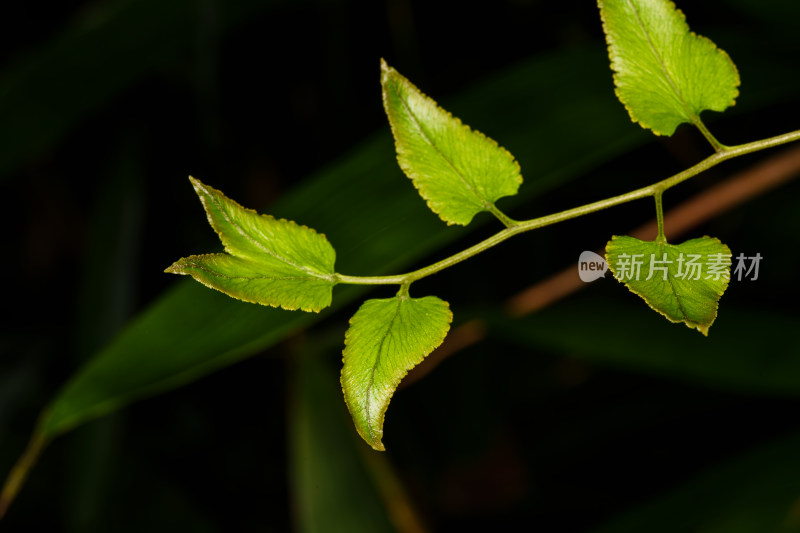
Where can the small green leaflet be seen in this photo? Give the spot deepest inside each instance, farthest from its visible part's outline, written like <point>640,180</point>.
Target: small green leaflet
<point>683,282</point>
<point>386,339</point>
<point>458,171</point>
<point>268,261</point>
<point>664,74</point>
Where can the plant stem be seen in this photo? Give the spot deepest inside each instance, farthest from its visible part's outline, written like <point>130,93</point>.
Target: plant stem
<point>655,190</point>
<point>718,146</point>
<point>502,217</point>
<point>660,217</point>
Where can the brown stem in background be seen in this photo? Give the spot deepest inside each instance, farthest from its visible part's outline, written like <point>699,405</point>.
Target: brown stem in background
<point>20,471</point>
<point>403,515</point>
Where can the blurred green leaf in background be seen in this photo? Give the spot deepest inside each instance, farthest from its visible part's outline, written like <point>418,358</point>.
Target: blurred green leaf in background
<point>590,415</point>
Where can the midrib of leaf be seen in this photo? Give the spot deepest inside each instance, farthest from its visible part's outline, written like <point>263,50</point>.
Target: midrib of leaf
<point>487,205</point>
<point>661,63</point>
<point>375,367</point>
<point>202,267</point>
<point>258,245</point>
<point>672,288</point>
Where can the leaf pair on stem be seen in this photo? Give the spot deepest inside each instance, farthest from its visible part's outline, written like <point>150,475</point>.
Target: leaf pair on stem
<point>665,75</point>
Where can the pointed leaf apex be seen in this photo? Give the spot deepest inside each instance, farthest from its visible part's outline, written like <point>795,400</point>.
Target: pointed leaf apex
<point>386,339</point>
<point>268,261</point>
<point>458,171</point>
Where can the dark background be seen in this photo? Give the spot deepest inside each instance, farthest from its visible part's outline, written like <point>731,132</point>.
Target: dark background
<point>106,107</point>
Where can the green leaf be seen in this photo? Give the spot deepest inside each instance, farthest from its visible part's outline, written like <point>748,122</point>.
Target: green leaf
<point>190,332</point>
<point>664,74</point>
<point>458,171</point>
<point>682,282</point>
<point>269,261</point>
<point>386,339</point>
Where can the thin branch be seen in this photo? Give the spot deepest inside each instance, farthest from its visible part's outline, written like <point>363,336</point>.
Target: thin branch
<point>528,225</point>
<point>738,189</point>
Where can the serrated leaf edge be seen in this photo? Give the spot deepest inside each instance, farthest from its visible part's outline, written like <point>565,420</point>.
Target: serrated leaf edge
<point>178,267</point>
<point>702,328</point>
<point>376,443</point>
<point>386,73</point>
<point>616,57</point>
<point>205,193</point>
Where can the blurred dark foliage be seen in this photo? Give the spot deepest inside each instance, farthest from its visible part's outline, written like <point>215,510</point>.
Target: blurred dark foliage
<point>252,97</point>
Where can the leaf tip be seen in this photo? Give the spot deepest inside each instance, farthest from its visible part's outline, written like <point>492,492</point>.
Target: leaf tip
<point>386,71</point>
<point>196,184</point>
<point>203,191</point>
<point>370,433</point>
<point>175,268</point>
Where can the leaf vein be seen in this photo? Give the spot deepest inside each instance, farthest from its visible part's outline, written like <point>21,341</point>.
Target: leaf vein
<point>374,368</point>
<point>204,268</point>
<point>661,62</point>
<point>486,204</point>
<point>259,245</point>
<point>677,298</point>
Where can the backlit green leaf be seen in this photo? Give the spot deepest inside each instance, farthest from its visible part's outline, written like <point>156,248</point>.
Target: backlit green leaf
<point>386,339</point>
<point>682,282</point>
<point>664,74</point>
<point>268,261</point>
<point>190,332</point>
<point>458,171</point>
